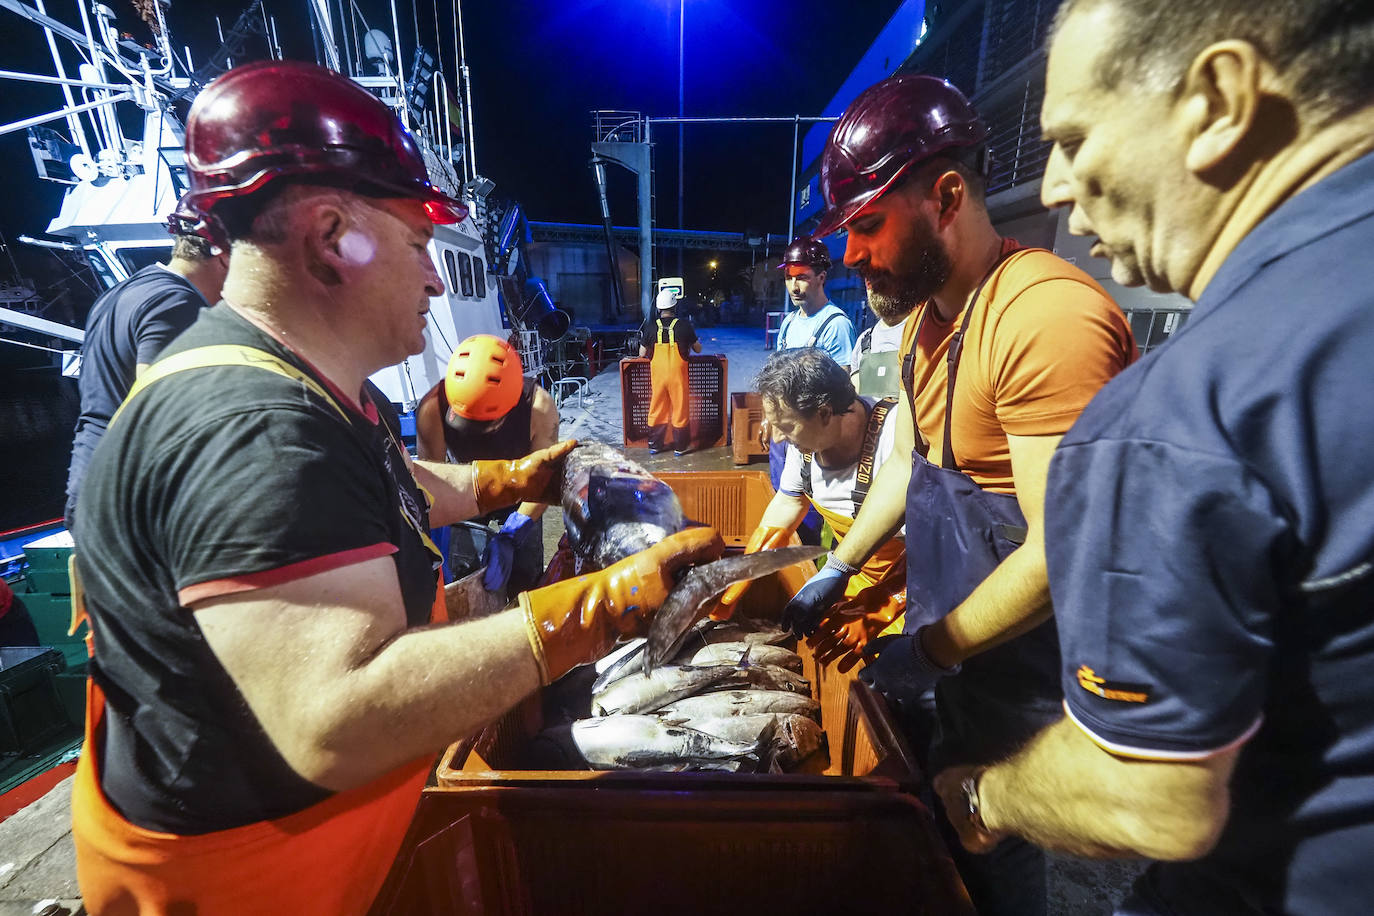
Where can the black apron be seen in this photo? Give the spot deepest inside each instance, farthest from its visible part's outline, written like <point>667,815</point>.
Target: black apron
<point>956,535</point>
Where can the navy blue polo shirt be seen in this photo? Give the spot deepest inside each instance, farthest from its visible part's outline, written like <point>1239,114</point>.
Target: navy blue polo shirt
<point>1210,531</point>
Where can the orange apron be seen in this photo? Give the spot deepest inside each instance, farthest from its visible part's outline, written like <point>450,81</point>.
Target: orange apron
<point>329,859</point>
<point>668,405</point>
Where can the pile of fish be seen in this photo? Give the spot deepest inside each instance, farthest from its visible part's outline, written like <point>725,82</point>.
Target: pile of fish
<point>729,696</point>
<point>733,701</point>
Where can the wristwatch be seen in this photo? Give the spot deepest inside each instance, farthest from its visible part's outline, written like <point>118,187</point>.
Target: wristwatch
<point>969,789</point>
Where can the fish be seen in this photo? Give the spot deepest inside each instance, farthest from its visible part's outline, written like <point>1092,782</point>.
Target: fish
<point>746,702</point>
<point>795,736</point>
<point>730,653</point>
<point>693,597</point>
<point>619,742</point>
<point>613,507</point>
<point>645,693</point>
<point>761,677</point>
<point>629,659</point>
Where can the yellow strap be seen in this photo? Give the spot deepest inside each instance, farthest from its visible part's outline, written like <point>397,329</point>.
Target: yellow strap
<point>253,358</point>
<point>669,330</point>
<point>224,355</point>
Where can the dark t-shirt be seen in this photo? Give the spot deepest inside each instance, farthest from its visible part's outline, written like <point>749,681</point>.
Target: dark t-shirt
<point>1209,524</point>
<point>683,333</point>
<point>128,325</point>
<point>217,480</point>
<point>475,440</point>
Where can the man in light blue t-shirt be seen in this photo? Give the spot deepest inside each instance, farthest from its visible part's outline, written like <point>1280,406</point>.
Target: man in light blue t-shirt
<point>818,323</point>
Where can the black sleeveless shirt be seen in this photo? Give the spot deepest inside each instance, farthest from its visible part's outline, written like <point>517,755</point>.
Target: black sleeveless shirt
<point>479,440</point>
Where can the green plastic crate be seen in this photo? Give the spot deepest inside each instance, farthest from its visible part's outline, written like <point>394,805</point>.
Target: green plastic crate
<point>52,616</point>
<point>50,581</point>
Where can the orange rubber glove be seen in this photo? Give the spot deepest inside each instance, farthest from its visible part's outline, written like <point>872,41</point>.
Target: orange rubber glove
<point>853,623</point>
<point>765,537</point>
<point>536,478</point>
<point>576,621</point>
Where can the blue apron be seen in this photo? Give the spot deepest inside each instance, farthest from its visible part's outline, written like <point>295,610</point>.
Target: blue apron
<point>956,534</point>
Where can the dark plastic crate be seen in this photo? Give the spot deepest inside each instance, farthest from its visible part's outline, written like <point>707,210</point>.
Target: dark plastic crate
<point>31,710</point>
<point>707,378</point>
<point>746,416</point>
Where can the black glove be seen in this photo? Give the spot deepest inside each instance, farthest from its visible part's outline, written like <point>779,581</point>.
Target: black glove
<point>897,667</point>
<point>809,606</point>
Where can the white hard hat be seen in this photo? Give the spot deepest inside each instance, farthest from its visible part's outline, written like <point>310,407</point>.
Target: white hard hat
<point>667,298</point>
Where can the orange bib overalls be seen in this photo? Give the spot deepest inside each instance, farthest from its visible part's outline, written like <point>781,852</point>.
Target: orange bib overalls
<point>668,405</point>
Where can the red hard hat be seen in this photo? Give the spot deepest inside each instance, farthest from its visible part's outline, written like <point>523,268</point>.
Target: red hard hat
<point>187,220</point>
<point>891,126</point>
<point>806,251</point>
<point>484,378</point>
<point>273,119</point>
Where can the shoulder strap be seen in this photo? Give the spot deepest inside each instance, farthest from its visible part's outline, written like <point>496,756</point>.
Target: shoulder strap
<point>821,330</point>
<point>806,475</point>
<point>225,355</point>
<point>956,350</point>
<point>863,476</point>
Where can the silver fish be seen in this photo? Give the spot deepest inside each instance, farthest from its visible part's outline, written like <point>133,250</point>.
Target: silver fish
<point>795,737</point>
<point>618,742</point>
<point>730,653</point>
<point>723,703</point>
<point>694,596</point>
<point>644,693</point>
<point>613,507</point>
<point>629,659</point>
<point>763,677</point>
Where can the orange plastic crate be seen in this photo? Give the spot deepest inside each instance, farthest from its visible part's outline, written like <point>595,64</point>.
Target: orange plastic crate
<point>707,379</point>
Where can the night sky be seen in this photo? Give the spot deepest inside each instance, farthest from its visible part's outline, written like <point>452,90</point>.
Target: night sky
<point>539,67</point>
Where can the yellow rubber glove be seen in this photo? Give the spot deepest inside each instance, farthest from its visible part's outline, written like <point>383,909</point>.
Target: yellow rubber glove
<point>576,621</point>
<point>536,478</point>
<point>765,537</point>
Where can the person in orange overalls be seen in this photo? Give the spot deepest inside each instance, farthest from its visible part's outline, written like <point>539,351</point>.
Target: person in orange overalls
<point>667,340</point>
<point>836,440</point>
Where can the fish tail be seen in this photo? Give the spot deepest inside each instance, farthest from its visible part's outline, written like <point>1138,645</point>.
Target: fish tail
<point>764,753</point>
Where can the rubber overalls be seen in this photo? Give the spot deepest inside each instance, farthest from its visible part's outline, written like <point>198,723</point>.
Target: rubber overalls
<point>668,405</point>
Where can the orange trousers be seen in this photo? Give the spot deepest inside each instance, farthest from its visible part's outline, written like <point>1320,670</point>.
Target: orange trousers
<point>668,407</point>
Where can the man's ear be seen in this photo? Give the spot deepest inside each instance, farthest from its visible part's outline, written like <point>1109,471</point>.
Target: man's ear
<point>949,193</point>
<point>325,224</point>
<point>1219,104</point>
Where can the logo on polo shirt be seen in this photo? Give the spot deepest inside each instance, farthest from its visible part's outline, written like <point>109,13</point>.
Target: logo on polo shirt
<point>1112,690</point>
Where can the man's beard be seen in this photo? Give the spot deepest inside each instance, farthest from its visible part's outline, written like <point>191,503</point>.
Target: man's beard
<point>894,294</point>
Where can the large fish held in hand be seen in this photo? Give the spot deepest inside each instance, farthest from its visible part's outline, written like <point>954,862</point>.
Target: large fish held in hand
<point>613,507</point>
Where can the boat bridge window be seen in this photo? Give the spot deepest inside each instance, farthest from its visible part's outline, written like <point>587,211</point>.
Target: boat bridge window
<point>135,259</point>
<point>479,276</point>
<point>103,271</point>
<point>465,275</point>
<point>451,269</point>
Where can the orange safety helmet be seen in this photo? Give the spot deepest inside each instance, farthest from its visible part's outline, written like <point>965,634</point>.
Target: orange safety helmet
<point>484,378</point>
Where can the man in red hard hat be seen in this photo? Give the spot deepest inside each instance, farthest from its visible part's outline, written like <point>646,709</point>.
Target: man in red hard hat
<point>1006,347</point>
<point>485,408</point>
<point>268,690</point>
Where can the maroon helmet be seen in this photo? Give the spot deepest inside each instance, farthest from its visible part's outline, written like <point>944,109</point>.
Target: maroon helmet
<point>891,126</point>
<point>806,251</point>
<point>187,220</point>
<point>274,119</point>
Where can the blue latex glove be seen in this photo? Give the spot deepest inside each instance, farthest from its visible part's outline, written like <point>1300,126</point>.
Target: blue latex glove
<point>806,610</point>
<point>897,667</point>
<point>499,556</point>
